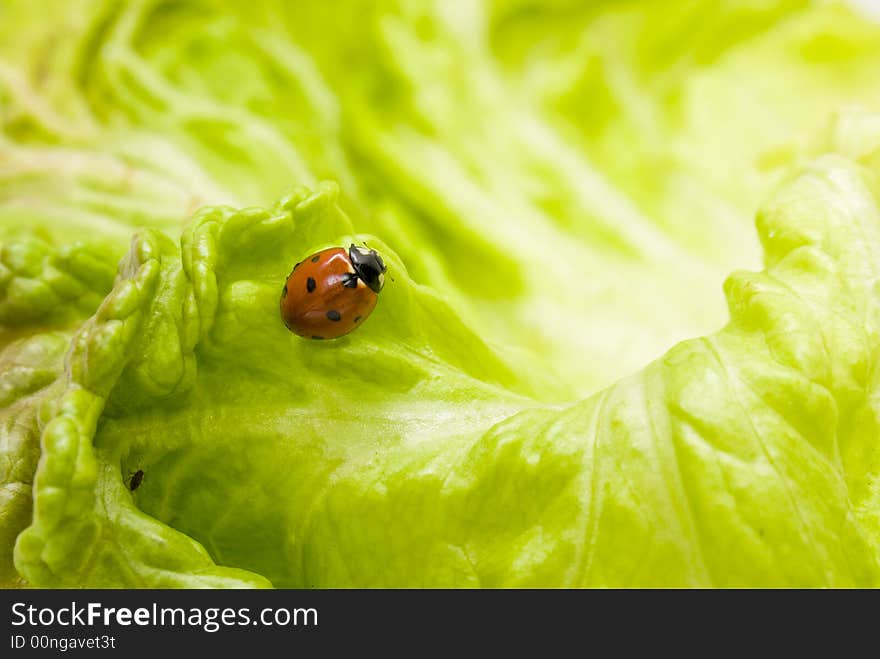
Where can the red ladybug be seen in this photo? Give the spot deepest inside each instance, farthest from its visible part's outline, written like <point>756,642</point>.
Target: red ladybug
<point>331,292</point>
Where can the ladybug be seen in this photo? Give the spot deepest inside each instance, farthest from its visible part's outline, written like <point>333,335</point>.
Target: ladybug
<point>331,292</point>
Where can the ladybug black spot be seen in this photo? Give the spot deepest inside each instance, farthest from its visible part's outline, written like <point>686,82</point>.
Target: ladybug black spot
<point>310,284</point>
<point>316,258</point>
<point>334,315</point>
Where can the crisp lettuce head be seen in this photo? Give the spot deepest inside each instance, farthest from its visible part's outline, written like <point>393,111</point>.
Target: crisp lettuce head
<point>559,192</point>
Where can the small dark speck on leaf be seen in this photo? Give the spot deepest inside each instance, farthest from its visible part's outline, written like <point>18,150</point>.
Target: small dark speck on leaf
<point>136,479</point>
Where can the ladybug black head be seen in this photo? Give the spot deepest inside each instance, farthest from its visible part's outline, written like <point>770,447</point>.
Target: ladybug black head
<point>369,266</point>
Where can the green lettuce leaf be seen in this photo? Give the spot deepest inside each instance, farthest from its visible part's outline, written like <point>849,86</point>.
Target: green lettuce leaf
<point>410,454</point>
<point>559,190</point>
